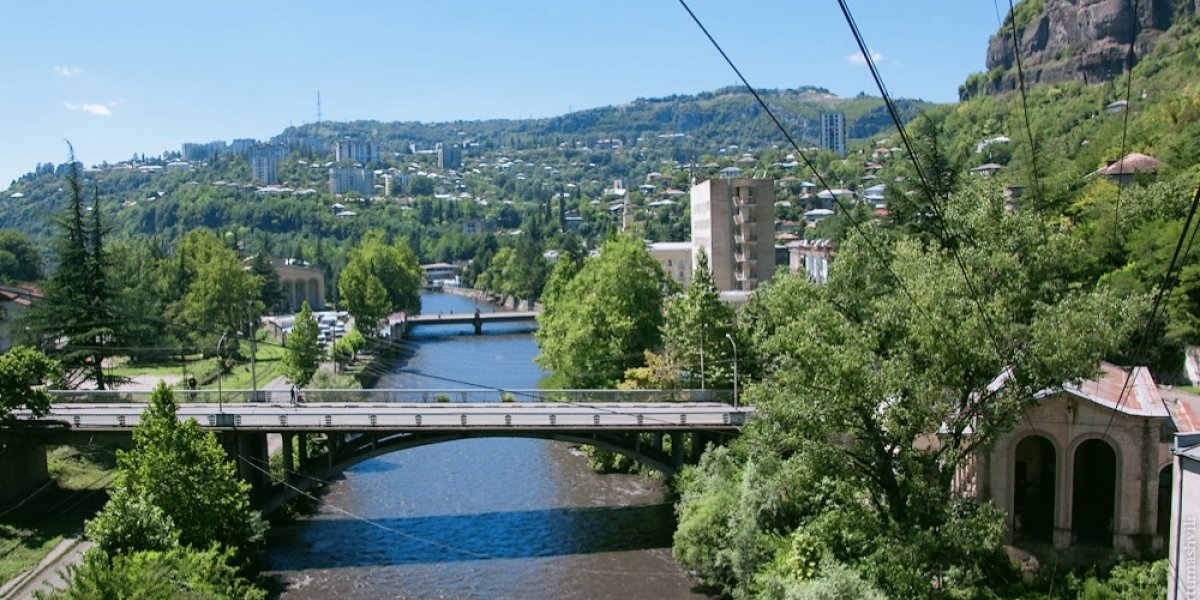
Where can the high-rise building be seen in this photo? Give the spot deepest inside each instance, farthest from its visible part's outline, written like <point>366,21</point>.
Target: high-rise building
<point>448,156</point>
<point>264,165</point>
<point>364,153</point>
<point>833,132</point>
<point>733,221</point>
<point>343,180</point>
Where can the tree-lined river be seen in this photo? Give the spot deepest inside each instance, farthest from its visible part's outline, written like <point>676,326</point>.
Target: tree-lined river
<point>481,518</point>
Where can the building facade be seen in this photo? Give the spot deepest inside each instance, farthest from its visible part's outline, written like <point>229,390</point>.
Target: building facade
<point>300,283</point>
<point>343,180</point>
<point>833,132</point>
<point>1089,466</point>
<point>355,151</point>
<point>733,220</point>
<point>264,166</point>
<point>675,259</point>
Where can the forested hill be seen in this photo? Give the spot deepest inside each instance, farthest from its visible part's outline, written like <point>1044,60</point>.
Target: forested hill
<point>708,121</point>
<point>504,163</point>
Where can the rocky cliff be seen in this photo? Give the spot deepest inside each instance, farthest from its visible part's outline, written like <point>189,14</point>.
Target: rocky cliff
<point>1079,39</point>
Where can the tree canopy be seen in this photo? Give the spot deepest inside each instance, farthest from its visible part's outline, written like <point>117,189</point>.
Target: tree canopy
<point>302,355</point>
<point>176,483</point>
<point>877,391</point>
<point>23,373</point>
<point>604,318</point>
<point>378,279</point>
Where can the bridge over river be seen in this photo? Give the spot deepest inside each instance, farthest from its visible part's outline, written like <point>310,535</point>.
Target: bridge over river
<point>662,429</point>
<point>476,319</point>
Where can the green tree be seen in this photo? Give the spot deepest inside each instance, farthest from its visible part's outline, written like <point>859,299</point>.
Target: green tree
<point>19,259</point>
<point>76,316</point>
<point>23,372</point>
<point>222,294</point>
<point>875,395</point>
<point>378,279</point>
<point>605,317</point>
<point>182,471</point>
<point>697,328</point>
<point>271,294</point>
<point>302,355</point>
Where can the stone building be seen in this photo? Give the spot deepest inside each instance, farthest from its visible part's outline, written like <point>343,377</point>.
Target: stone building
<point>1089,465</point>
<point>300,282</point>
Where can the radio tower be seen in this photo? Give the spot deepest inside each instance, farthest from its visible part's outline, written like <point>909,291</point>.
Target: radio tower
<point>318,108</point>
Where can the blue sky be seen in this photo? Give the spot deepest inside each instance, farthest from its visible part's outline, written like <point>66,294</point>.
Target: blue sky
<point>135,76</point>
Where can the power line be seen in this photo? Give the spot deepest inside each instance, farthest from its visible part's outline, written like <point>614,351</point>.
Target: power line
<point>1164,289</point>
<point>1129,58</point>
<point>1033,151</point>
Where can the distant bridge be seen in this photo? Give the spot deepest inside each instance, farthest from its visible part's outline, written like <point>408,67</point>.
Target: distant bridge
<point>477,319</point>
<point>663,429</point>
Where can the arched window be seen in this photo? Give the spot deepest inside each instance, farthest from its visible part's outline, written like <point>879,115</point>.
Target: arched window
<point>1165,482</point>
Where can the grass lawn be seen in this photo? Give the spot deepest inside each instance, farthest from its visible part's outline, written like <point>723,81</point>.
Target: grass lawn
<point>28,533</point>
<point>237,377</point>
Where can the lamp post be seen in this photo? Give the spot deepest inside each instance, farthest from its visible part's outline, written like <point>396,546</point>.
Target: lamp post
<point>729,336</point>
<point>220,371</point>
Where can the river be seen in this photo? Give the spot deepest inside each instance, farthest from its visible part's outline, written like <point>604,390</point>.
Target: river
<point>483,518</point>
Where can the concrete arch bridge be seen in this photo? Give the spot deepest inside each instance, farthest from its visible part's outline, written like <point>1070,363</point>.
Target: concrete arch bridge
<point>660,429</point>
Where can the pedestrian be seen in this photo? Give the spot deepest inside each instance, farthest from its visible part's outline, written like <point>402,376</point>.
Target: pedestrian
<point>295,396</point>
<point>191,382</point>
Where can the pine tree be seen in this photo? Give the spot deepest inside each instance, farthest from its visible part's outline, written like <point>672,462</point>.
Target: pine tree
<point>75,321</point>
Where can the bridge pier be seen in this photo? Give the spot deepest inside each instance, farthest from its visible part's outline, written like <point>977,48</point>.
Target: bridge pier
<point>676,449</point>
<point>24,469</point>
<point>249,453</point>
<point>288,451</point>
<point>302,451</point>
<point>699,440</point>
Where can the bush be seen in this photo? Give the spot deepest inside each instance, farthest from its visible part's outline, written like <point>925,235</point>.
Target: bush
<point>180,572</point>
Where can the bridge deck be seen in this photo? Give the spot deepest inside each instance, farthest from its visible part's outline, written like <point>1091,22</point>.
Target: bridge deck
<point>470,318</point>
<point>462,417</point>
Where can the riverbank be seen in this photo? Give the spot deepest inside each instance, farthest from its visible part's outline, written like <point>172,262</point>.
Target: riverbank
<point>492,298</point>
<point>52,519</point>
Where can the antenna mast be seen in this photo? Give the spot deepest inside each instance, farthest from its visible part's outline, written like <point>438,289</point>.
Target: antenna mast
<point>318,108</point>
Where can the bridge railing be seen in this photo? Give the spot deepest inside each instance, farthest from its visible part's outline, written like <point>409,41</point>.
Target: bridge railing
<point>406,396</point>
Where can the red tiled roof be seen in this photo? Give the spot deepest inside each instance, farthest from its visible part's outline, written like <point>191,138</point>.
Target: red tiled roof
<point>1184,408</point>
<point>1133,393</point>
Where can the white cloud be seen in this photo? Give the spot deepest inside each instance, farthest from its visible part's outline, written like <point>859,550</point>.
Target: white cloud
<point>62,71</point>
<point>858,59</point>
<point>99,110</point>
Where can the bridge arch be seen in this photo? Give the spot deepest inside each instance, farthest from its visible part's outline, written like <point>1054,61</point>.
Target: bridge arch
<point>346,452</point>
<point>366,446</point>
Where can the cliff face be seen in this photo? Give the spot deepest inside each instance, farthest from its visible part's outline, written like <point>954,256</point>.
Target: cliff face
<point>1081,39</point>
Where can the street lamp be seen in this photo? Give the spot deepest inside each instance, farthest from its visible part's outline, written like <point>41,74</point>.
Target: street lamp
<point>221,369</point>
<point>729,336</point>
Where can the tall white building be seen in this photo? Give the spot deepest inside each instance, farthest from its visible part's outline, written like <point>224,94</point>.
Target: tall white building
<point>355,151</point>
<point>343,180</point>
<point>833,132</point>
<point>264,165</point>
<point>733,221</point>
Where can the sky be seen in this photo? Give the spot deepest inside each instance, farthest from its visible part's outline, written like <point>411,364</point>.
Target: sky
<point>118,78</point>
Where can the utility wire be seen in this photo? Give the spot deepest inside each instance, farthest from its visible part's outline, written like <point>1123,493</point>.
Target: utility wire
<point>804,157</point>
<point>1129,58</point>
<point>1164,288</point>
<point>1033,150</point>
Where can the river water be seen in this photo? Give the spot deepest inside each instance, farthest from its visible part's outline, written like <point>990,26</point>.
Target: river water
<point>481,518</point>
